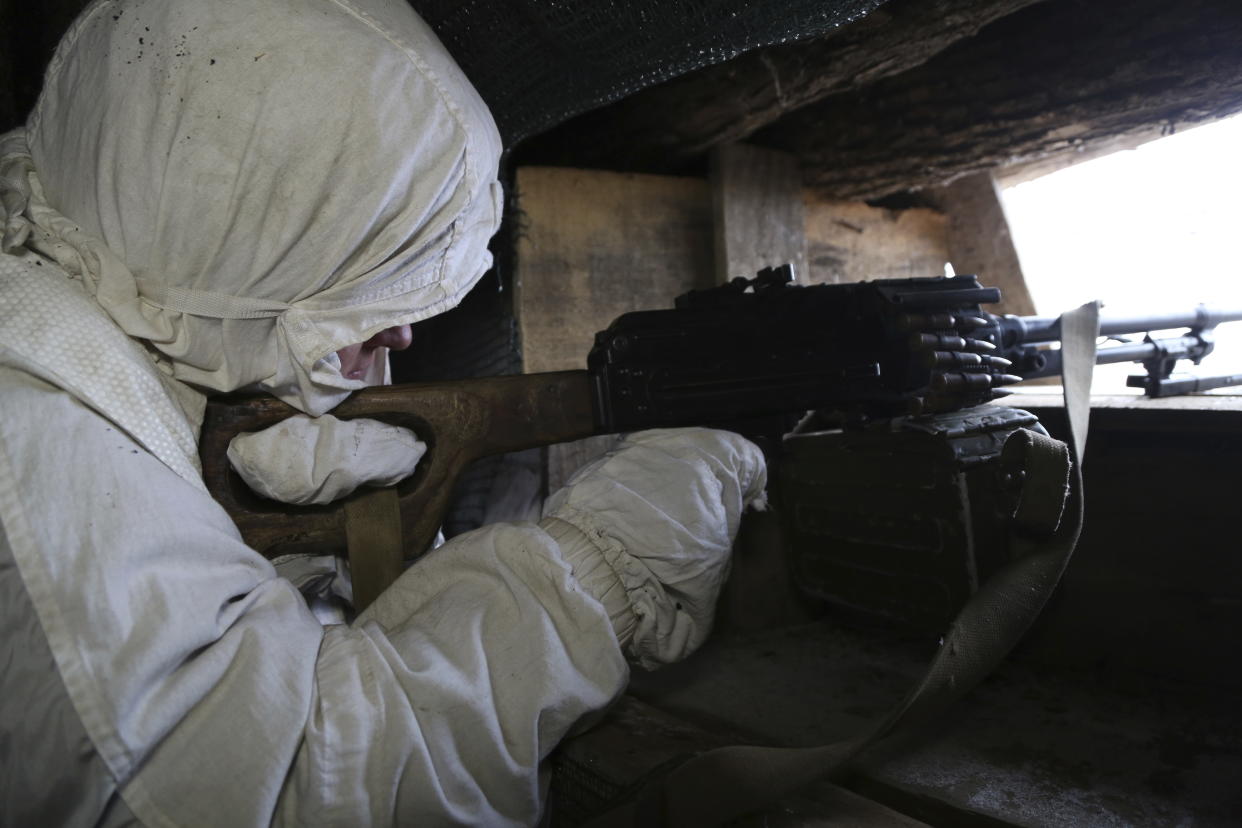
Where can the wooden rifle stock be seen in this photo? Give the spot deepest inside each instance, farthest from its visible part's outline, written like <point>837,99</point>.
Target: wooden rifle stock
<point>460,421</point>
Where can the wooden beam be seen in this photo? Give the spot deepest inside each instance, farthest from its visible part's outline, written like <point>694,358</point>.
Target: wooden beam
<point>916,94</point>
<point>1051,79</point>
<point>980,241</point>
<point>660,129</point>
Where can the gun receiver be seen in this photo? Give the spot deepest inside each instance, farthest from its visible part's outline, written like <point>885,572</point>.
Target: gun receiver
<point>762,347</point>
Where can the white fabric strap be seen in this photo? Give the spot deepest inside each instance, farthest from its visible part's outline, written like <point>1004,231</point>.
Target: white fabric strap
<point>1079,330</point>
<point>208,304</point>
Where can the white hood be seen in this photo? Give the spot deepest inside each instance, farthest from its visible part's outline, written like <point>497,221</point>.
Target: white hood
<point>251,185</point>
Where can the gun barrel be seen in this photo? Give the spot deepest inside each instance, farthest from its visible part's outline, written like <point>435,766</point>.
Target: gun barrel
<point>1180,348</point>
<point>1032,329</point>
<point>1049,364</point>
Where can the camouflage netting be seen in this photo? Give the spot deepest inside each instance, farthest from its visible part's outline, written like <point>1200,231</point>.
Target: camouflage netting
<point>539,62</point>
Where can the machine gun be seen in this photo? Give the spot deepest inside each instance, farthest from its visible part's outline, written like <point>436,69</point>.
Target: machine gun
<point>754,355</point>
<point>870,350</point>
<point>896,494</point>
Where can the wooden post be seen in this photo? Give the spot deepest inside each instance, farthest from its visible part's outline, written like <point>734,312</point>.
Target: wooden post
<point>759,222</point>
<point>980,242</point>
<point>757,206</point>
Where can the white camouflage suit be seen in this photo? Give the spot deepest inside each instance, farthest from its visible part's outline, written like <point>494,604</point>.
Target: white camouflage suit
<point>220,195</point>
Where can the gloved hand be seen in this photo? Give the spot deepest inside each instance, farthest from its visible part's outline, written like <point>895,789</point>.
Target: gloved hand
<point>321,459</point>
<point>648,528</point>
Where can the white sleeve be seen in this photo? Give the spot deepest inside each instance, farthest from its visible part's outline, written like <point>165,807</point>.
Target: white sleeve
<point>214,697</point>
<point>648,530</point>
<point>450,690</point>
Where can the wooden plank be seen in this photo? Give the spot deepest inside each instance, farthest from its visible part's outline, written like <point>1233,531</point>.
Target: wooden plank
<point>636,742</point>
<point>595,245</point>
<point>850,241</point>
<point>757,206</point>
<point>1052,398</point>
<point>1199,414</point>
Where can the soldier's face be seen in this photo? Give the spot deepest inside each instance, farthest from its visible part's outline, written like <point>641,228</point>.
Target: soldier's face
<point>356,360</point>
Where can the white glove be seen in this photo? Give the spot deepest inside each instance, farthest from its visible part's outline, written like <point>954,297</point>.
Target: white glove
<point>321,459</point>
<point>648,528</point>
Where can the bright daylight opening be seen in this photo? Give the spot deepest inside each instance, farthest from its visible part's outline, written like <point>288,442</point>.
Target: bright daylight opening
<point>1153,229</point>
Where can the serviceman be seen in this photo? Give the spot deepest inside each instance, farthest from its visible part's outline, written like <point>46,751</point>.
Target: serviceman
<point>263,195</point>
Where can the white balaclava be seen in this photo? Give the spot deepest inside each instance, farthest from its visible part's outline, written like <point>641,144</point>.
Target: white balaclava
<point>252,185</point>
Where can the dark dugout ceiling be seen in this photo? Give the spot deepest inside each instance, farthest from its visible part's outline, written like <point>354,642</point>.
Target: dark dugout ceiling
<point>538,62</point>
<point>922,91</point>
<point>535,62</point>
<point>883,97</point>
